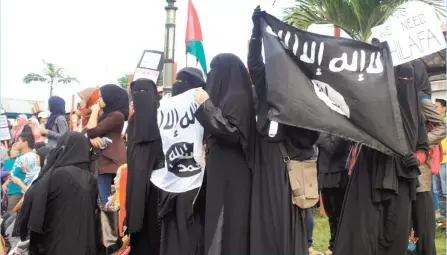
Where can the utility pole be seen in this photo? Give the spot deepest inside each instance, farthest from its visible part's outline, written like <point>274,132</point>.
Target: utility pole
<point>168,69</point>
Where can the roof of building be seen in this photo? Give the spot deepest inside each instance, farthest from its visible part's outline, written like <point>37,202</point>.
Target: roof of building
<point>21,105</point>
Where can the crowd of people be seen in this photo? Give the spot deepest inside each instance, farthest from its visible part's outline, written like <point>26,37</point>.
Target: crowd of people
<point>60,175</point>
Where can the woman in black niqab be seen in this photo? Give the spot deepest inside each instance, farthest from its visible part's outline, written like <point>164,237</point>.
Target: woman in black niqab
<point>376,211</point>
<point>181,225</point>
<point>188,78</point>
<point>59,208</point>
<point>228,119</point>
<point>283,230</point>
<point>144,154</point>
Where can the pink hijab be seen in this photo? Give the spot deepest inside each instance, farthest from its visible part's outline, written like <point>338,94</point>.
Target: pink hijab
<point>16,131</point>
<point>35,127</point>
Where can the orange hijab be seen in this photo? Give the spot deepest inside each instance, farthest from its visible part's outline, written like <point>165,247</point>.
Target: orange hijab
<point>122,197</point>
<point>89,97</point>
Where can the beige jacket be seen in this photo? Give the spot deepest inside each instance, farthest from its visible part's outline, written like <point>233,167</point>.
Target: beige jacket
<point>435,124</point>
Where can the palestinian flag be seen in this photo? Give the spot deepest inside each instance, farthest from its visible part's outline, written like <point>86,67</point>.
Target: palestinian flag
<point>193,40</point>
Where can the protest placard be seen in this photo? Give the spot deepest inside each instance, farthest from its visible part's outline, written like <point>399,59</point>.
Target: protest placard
<point>412,32</point>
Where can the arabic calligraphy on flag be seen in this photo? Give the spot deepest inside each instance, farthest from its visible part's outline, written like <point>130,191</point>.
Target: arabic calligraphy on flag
<point>332,85</point>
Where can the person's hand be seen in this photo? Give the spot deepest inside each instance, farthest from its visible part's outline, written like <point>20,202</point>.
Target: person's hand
<point>15,180</point>
<point>97,142</point>
<point>410,161</point>
<point>126,241</point>
<point>256,18</point>
<point>201,96</point>
<point>5,187</point>
<point>95,108</point>
<point>74,118</point>
<point>256,14</point>
<point>43,131</point>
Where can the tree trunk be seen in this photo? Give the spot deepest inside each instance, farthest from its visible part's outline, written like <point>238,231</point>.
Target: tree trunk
<point>51,87</point>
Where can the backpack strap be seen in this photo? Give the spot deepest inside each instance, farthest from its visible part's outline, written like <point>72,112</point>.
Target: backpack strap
<point>285,157</point>
<point>282,148</point>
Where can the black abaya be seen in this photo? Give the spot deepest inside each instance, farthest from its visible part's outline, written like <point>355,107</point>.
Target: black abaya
<point>229,121</point>
<point>182,228</point>
<point>382,187</point>
<point>277,226</point>
<point>144,153</point>
<point>59,208</point>
<point>369,226</point>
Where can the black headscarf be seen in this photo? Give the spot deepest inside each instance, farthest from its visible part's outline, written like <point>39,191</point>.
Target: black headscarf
<point>143,152</point>
<point>72,149</point>
<point>116,99</point>
<point>43,152</point>
<point>188,78</point>
<point>421,79</point>
<point>56,106</point>
<point>229,87</point>
<point>145,101</point>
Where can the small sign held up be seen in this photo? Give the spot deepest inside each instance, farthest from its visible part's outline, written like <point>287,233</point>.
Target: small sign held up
<point>413,31</point>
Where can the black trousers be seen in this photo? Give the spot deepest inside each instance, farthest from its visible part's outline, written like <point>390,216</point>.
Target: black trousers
<point>333,202</point>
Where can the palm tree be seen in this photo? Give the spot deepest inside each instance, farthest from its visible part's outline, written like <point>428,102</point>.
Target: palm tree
<point>355,17</point>
<point>124,81</point>
<point>52,76</point>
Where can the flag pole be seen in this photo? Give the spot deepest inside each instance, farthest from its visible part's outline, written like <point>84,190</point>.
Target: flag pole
<point>168,69</point>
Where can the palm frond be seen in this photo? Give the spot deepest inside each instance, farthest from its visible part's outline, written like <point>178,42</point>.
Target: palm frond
<point>31,77</point>
<point>67,79</point>
<point>355,17</point>
<point>439,5</point>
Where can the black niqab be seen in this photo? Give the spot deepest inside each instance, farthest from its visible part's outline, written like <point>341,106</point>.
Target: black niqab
<point>115,99</point>
<point>229,87</point>
<point>144,153</point>
<point>188,78</point>
<point>145,101</point>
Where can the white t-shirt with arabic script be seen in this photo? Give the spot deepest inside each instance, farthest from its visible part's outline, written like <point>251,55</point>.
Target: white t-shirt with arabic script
<point>182,137</point>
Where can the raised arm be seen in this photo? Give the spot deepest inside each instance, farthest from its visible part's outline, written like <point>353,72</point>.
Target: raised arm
<point>106,125</point>
<point>215,124</point>
<point>255,61</point>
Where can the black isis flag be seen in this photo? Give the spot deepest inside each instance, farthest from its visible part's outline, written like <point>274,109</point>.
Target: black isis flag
<point>332,85</point>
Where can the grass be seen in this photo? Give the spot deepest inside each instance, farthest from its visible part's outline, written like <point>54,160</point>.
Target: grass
<point>321,235</point>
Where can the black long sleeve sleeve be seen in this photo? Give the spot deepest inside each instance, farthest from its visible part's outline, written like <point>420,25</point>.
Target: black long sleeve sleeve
<point>215,124</point>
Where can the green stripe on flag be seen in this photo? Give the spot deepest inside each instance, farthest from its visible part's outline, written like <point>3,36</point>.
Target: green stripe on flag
<point>195,48</point>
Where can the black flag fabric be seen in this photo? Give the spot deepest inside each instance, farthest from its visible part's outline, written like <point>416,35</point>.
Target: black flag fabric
<point>332,85</point>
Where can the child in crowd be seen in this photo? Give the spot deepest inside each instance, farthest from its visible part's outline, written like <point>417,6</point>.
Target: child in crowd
<point>24,170</point>
<point>118,199</point>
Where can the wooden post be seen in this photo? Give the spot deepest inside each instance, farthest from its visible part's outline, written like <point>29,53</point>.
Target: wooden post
<point>174,74</point>
<point>72,127</point>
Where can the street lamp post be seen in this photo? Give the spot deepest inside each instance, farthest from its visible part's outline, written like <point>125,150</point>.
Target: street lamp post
<point>168,68</point>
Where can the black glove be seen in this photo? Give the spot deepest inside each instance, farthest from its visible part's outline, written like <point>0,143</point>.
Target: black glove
<point>410,161</point>
<point>256,17</point>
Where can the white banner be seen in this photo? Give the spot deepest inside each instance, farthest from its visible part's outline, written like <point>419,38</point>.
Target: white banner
<point>412,32</point>
<point>146,73</point>
<point>182,137</point>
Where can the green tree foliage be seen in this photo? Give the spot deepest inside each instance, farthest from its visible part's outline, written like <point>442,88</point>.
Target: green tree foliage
<point>52,75</point>
<point>355,17</point>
